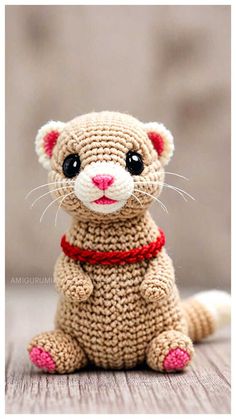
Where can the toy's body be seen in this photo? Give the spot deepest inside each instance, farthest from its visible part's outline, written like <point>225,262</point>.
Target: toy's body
<point>115,324</point>
<point>119,304</point>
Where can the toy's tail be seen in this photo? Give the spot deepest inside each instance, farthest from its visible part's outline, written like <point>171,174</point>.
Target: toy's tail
<point>206,312</point>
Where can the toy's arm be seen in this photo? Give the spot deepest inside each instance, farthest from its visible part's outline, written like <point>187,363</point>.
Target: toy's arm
<point>159,279</point>
<point>71,281</point>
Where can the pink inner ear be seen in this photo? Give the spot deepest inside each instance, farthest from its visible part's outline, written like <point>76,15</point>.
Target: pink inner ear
<point>157,141</point>
<point>50,140</point>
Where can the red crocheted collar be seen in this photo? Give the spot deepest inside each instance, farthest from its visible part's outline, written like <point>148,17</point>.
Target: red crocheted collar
<point>94,257</point>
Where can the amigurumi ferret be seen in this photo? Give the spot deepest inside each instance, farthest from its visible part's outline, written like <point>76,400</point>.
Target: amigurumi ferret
<point>119,305</point>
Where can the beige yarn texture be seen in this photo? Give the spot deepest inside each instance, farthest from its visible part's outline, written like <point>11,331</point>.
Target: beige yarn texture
<point>116,316</point>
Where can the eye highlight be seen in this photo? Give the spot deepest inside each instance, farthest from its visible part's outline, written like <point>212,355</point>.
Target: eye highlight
<point>134,163</point>
<point>71,165</point>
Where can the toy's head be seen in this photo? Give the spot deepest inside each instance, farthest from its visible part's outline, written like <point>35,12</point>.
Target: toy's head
<point>106,165</point>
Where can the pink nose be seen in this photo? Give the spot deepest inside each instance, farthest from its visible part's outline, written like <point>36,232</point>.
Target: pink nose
<point>103,181</point>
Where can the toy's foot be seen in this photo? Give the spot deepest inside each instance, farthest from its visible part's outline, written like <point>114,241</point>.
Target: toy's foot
<point>56,352</point>
<point>42,359</point>
<point>169,352</point>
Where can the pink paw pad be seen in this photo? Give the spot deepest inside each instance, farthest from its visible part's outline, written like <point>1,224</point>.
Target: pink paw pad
<point>42,359</point>
<point>176,359</point>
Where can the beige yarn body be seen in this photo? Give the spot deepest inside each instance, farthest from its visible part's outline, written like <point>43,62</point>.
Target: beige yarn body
<point>114,316</point>
<point>115,325</point>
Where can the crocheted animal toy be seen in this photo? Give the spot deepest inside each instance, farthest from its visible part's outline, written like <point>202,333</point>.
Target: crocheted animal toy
<point>119,305</point>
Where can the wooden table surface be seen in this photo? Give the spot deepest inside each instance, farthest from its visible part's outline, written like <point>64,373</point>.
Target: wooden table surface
<point>203,388</point>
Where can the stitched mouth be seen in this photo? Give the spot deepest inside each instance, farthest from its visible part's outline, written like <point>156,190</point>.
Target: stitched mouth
<point>104,200</point>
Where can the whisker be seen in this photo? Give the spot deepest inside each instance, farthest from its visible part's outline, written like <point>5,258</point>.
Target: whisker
<point>178,190</point>
<point>162,184</point>
<point>47,184</point>
<point>155,198</point>
<point>49,192</point>
<point>137,199</point>
<point>49,205</point>
<point>176,174</point>
<point>60,206</point>
<point>167,185</point>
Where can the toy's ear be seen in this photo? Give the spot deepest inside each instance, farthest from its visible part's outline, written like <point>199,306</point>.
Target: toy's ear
<point>162,140</point>
<point>45,141</point>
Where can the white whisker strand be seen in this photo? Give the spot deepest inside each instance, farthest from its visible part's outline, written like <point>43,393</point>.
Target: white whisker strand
<point>178,189</point>
<point>47,184</point>
<point>155,198</point>
<point>138,200</point>
<point>55,223</point>
<point>167,185</point>
<point>39,187</point>
<point>49,205</point>
<point>49,192</point>
<point>162,184</point>
<point>177,174</point>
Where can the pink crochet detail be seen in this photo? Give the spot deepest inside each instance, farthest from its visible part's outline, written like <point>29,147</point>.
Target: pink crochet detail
<point>103,181</point>
<point>176,359</point>
<point>50,140</point>
<point>104,200</point>
<point>157,141</point>
<point>42,359</point>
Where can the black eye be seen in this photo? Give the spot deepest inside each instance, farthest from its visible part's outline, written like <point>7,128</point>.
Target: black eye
<point>71,165</point>
<point>134,163</point>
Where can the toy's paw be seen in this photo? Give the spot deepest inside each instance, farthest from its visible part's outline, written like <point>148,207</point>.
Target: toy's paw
<point>42,359</point>
<point>76,290</point>
<point>154,289</point>
<point>171,351</point>
<point>56,352</point>
<point>176,360</point>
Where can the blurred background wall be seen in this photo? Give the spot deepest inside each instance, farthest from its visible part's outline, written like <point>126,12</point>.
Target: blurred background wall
<point>164,63</point>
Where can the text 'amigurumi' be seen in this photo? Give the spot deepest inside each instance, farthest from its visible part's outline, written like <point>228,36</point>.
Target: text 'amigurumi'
<point>119,305</point>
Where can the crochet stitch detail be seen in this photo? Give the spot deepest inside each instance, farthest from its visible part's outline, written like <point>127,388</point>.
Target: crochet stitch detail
<point>50,140</point>
<point>176,359</point>
<point>42,359</point>
<point>115,257</point>
<point>157,142</point>
<point>119,305</point>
